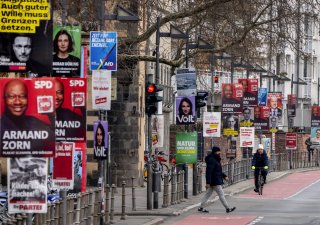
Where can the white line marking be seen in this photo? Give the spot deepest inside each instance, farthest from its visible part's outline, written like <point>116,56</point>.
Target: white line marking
<point>256,220</point>
<point>303,189</point>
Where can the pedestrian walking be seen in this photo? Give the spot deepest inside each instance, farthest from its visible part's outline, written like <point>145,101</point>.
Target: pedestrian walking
<point>310,148</point>
<point>214,180</point>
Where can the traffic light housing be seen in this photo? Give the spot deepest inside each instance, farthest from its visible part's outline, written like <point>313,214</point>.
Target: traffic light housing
<point>152,98</point>
<point>201,99</point>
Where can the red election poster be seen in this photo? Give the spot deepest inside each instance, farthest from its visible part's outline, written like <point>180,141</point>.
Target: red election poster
<point>291,140</point>
<point>315,116</point>
<point>261,118</point>
<point>250,92</point>
<point>27,185</point>
<point>79,169</point>
<point>232,95</point>
<point>70,109</point>
<point>25,126</point>
<point>62,175</point>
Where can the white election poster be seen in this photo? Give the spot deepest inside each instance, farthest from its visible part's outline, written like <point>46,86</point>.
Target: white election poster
<point>211,124</point>
<point>157,127</point>
<point>27,185</point>
<point>101,89</point>
<point>246,137</point>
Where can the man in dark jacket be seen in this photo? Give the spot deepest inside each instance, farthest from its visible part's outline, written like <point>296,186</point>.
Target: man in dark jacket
<point>259,162</point>
<point>214,180</point>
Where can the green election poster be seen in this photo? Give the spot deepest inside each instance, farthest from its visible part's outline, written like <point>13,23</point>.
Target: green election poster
<point>186,147</point>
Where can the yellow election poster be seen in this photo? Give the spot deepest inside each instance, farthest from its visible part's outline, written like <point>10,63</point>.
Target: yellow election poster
<point>26,37</point>
<point>23,16</point>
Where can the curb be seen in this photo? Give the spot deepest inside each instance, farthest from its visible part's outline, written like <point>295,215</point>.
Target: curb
<point>154,222</point>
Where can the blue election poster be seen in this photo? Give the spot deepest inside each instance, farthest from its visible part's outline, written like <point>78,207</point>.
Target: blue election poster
<point>262,96</point>
<point>103,50</point>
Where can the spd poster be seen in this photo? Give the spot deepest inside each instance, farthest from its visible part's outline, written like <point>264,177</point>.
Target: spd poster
<point>250,92</point>
<point>26,129</point>
<point>26,37</point>
<point>232,99</point>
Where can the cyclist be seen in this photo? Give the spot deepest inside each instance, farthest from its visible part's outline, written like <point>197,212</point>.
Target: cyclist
<point>260,162</point>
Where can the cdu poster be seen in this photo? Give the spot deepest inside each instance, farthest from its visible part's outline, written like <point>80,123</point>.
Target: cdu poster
<point>26,129</point>
<point>186,147</point>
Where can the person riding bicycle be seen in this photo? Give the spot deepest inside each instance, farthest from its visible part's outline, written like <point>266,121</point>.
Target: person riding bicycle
<point>260,162</point>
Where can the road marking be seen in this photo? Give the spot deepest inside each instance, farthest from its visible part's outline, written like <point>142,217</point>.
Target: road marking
<point>258,219</point>
<point>303,189</point>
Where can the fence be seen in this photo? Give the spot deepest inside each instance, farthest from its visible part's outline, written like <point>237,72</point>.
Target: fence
<point>89,209</point>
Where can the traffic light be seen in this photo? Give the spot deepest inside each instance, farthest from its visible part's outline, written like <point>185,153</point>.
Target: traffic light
<point>201,99</point>
<point>152,98</point>
<point>216,79</point>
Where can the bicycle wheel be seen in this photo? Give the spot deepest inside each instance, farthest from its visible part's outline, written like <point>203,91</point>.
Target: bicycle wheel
<point>260,183</point>
<point>165,170</point>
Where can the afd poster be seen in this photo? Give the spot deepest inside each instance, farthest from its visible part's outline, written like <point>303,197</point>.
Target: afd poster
<point>101,139</point>
<point>26,129</point>
<point>186,147</point>
<point>66,51</point>
<point>103,50</point>
<point>101,89</point>
<point>211,124</point>
<point>26,37</point>
<point>62,174</point>
<point>27,185</point>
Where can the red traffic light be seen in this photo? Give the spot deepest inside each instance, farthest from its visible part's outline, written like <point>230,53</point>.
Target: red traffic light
<point>151,88</point>
<point>216,79</point>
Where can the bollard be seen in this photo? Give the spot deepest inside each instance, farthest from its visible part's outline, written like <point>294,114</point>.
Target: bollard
<point>113,187</point>
<point>107,214</point>
<point>173,188</point>
<point>96,207</point>
<point>78,209</point>
<point>55,213</point>
<point>179,189</point>
<point>194,179</point>
<point>200,181</point>
<point>19,219</point>
<point>133,196</point>
<point>91,208</point>
<point>123,205</point>
<point>165,191</point>
<point>70,205</point>
<point>185,180</point>
<point>183,185</point>
<point>48,215</point>
<point>86,209</point>
<point>63,208</point>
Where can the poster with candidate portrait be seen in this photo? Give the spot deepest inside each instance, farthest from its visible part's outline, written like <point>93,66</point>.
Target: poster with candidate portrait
<point>101,139</point>
<point>250,92</point>
<point>26,129</point>
<point>62,171</point>
<point>232,98</point>
<point>185,110</point>
<point>275,104</point>
<point>27,185</point>
<point>261,118</point>
<point>101,89</point>
<point>66,51</point>
<point>315,116</point>
<point>26,37</point>
<point>70,109</point>
<point>230,124</point>
<point>211,124</point>
<point>292,105</point>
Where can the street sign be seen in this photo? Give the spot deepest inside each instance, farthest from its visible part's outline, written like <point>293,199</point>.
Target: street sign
<point>103,50</point>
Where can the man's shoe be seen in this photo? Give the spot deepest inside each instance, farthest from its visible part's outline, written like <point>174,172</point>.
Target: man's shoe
<point>256,190</point>
<point>228,210</point>
<point>265,181</point>
<point>202,210</point>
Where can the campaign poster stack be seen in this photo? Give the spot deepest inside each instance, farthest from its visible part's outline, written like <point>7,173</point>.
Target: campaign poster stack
<point>71,124</point>
<point>66,51</point>
<point>32,31</point>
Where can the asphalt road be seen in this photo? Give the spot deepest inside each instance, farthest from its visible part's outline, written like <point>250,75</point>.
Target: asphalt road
<point>294,199</point>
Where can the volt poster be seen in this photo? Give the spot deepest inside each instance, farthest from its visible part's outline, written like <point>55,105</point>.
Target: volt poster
<point>101,140</point>
<point>103,50</point>
<point>186,147</point>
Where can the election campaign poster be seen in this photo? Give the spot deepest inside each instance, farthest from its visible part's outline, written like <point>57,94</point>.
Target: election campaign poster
<point>246,137</point>
<point>114,86</point>
<point>186,147</point>
<point>250,92</point>
<point>262,96</point>
<point>157,129</point>
<point>84,60</point>
<point>27,185</point>
<point>79,169</point>
<point>261,118</point>
<point>62,174</point>
<point>101,139</point>
<point>26,129</point>
<point>211,124</point>
<point>26,37</point>
<point>292,105</point>
<point>247,117</point>
<point>232,98</point>
<point>231,152</point>
<point>185,110</point>
<point>230,124</point>
<point>103,50</point>
<point>291,141</point>
<point>273,124</point>
<point>275,104</point>
<point>71,109</point>
<point>315,116</point>
<point>66,51</point>
<point>101,89</point>
<point>186,80</point>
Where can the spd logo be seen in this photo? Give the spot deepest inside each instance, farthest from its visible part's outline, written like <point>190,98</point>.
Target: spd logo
<point>45,104</point>
<point>78,99</point>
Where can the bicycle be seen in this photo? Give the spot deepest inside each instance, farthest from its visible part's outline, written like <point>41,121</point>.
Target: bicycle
<point>260,180</point>
<point>157,161</point>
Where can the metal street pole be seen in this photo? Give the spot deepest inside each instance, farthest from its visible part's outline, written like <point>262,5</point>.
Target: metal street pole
<point>149,170</point>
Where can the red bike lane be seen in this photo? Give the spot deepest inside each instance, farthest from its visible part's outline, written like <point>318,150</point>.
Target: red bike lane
<point>215,219</point>
<point>285,187</point>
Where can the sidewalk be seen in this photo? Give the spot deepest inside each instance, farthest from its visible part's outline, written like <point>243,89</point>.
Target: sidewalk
<point>142,216</point>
